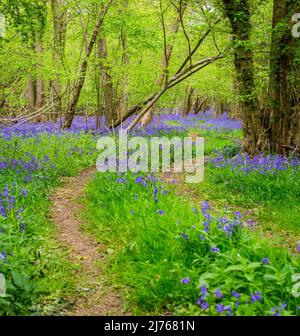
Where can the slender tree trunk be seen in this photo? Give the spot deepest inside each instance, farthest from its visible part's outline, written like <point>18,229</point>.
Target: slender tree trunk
<point>188,101</point>
<point>125,62</point>
<point>36,84</point>
<point>148,117</point>
<point>31,95</point>
<point>69,116</point>
<point>107,84</point>
<point>40,83</point>
<point>59,39</point>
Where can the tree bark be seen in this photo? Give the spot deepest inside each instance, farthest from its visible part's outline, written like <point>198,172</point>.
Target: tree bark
<point>165,61</point>
<point>69,116</point>
<point>284,88</point>
<point>107,84</point>
<point>59,40</point>
<point>125,62</point>
<point>238,13</point>
<point>40,83</point>
<point>31,95</point>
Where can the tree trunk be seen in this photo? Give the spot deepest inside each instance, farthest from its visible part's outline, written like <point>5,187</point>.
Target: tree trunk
<point>284,88</point>
<point>59,40</point>
<point>69,116</point>
<point>40,83</point>
<point>188,106</point>
<point>238,13</point>
<point>148,117</point>
<point>36,85</point>
<point>125,62</point>
<point>107,84</point>
<point>31,95</point>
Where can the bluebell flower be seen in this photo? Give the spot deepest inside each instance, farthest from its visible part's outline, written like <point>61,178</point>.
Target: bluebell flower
<point>203,304</point>
<point>215,249</point>
<point>160,212</point>
<point>140,180</point>
<point>266,261</point>
<point>195,210</point>
<point>237,215</point>
<point>12,200</point>
<point>256,297</point>
<point>218,294</point>
<point>121,180</point>
<point>2,255</point>
<point>185,236</point>
<point>235,294</point>
<point>205,205</point>
<point>282,306</point>
<point>228,309</point>
<point>220,308</point>
<point>185,281</point>
<point>204,292</point>
<point>298,248</point>
<point>22,227</point>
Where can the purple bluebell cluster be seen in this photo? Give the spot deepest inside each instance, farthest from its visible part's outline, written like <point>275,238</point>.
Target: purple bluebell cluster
<point>277,311</point>
<point>9,209</point>
<point>266,261</point>
<point>185,281</point>
<point>245,164</point>
<point>162,123</point>
<point>27,166</point>
<point>256,297</point>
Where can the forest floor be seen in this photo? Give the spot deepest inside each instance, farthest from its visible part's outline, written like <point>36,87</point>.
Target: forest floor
<point>139,244</point>
<point>94,297</point>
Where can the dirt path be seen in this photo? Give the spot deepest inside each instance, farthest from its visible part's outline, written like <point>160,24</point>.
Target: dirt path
<point>94,297</point>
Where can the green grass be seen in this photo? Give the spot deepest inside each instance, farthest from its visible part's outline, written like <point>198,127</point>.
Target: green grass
<point>38,274</point>
<point>274,199</point>
<point>149,254</point>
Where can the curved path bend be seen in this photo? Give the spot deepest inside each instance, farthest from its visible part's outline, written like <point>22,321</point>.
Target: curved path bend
<point>94,297</point>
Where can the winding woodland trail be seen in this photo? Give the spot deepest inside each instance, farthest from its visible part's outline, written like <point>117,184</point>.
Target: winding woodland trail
<point>94,297</point>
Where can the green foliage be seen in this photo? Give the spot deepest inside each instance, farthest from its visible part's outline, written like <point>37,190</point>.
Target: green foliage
<point>38,273</point>
<point>26,16</point>
<point>153,251</point>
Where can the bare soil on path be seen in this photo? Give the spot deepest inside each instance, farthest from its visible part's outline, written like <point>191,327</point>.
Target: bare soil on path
<point>94,298</point>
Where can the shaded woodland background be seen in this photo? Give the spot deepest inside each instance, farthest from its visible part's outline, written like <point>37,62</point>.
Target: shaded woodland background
<point>117,58</point>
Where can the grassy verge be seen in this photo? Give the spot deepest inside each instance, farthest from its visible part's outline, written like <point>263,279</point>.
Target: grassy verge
<point>171,257</point>
<point>38,274</point>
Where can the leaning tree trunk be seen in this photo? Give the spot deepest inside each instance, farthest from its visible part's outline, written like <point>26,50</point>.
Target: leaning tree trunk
<point>188,104</point>
<point>69,116</point>
<point>284,88</point>
<point>148,117</point>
